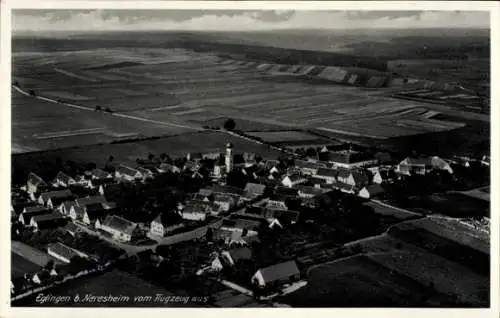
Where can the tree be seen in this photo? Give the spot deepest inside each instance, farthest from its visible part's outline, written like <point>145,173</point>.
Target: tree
<point>98,108</point>
<point>229,124</point>
<point>32,93</point>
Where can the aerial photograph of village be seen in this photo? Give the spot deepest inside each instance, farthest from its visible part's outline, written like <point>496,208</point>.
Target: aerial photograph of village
<point>190,158</point>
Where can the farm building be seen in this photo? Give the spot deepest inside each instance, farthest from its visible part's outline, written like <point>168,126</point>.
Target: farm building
<point>247,227</point>
<point>196,211</point>
<point>422,165</point>
<point>53,199</point>
<point>47,221</point>
<point>326,174</point>
<point>348,159</point>
<point>63,180</point>
<point>309,192</point>
<point>160,227</point>
<point>93,214</point>
<point>232,256</point>
<point>34,185</point>
<point>383,176</point>
<point>308,167</point>
<point>278,202</point>
<point>127,173</point>
<point>233,238</point>
<point>253,190</point>
<point>71,228</point>
<point>119,228</point>
<point>293,180</point>
<point>30,211</point>
<point>100,174</point>
<point>334,74</point>
<point>64,253</point>
<point>275,275</point>
<point>371,191</point>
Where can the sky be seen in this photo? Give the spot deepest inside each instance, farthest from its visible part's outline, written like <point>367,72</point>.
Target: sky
<point>216,20</point>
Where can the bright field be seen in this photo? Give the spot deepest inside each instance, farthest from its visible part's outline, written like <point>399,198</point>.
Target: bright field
<point>165,92</point>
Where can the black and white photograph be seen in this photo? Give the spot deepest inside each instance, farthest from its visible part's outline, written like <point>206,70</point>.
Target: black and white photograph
<point>216,158</point>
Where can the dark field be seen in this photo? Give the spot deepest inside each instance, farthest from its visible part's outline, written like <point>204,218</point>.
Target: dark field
<point>20,266</point>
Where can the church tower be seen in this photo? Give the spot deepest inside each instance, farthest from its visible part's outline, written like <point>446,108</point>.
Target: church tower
<point>229,157</point>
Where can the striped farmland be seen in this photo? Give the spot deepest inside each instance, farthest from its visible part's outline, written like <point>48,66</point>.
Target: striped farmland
<point>334,74</point>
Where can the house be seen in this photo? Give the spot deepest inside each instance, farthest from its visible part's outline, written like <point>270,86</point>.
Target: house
<point>346,188</point>
<point>253,190</point>
<point>326,174</point>
<point>232,256</point>
<point>293,180</point>
<point>65,207</point>
<point>110,189</point>
<point>159,226</point>
<point>91,200</point>
<point>485,160</point>
<point>356,178</point>
<point>76,212</point>
<point>308,167</point>
<point>422,165</point>
<point>383,176</point>
<point>278,202</point>
<point>225,202</point>
<point>275,275</point>
<point>63,180</point>
<point>64,253</point>
<point>195,211</point>
<point>99,183</point>
<point>34,185</point>
<point>233,238</point>
<point>42,277</point>
<point>348,159</point>
<point>30,211</point>
<point>371,191</point>
<point>126,173</point>
<point>261,213</point>
<point>100,174</point>
<point>218,171</point>
<point>93,214</point>
<point>120,228</point>
<point>309,192</point>
<point>53,199</point>
<point>241,225</point>
<point>47,221</point>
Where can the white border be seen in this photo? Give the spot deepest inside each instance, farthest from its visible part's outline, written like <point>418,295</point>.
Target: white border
<point>5,69</point>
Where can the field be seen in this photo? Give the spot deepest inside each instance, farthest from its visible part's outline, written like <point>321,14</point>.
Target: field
<point>360,282</point>
<point>284,136</point>
<point>419,263</point>
<point>162,90</point>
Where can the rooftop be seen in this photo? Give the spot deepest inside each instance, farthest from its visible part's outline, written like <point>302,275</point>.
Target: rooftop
<point>279,271</point>
<point>120,224</point>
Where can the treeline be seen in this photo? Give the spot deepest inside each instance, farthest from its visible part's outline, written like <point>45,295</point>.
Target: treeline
<point>285,56</point>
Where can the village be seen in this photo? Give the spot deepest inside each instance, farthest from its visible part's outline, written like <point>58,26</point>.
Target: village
<point>250,223</point>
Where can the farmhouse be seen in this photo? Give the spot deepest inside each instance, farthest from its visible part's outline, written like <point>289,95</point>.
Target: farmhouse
<point>126,173</point>
<point>119,228</point>
<point>383,176</point>
<point>53,199</point>
<point>308,167</point>
<point>146,173</point>
<point>278,202</point>
<point>232,256</point>
<point>225,202</point>
<point>356,177</point>
<point>41,277</point>
<point>326,174</point>
<point>306,192</point>
<point>47,221</point>
<point>291,181</point>
<point>371,191</point>
<point>98,183</point>
<point>348,159</point>
<point>195,211</point>
<point>100,174</point>
<point>93,214</point>
<point>160,227</point>
<point>241,225</point>
<point>72,229</point>
<point>253,190</point>
<point>232,238</point>
<point>35,185</point>
<point>64,253</point>
<point>76,212</point>
<point>422,165</point>
<point>31,211</point>
<point>166,167</point>
<point>63,180</point>
<point>275,275</point>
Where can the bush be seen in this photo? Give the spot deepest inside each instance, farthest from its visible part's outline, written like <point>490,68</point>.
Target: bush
<point>230,124</point>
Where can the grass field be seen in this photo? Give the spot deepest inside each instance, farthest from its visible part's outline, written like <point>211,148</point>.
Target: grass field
<point>284,136</point>
<point>360,282</point>
<point>185,87</point>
